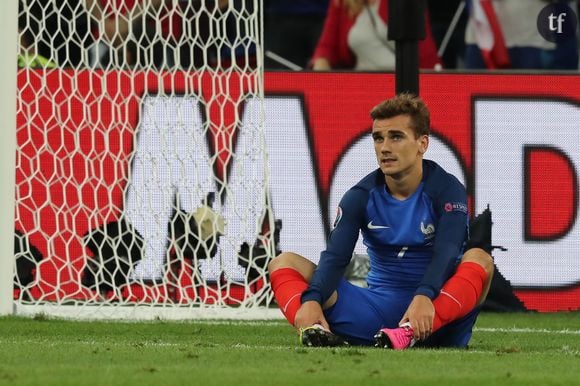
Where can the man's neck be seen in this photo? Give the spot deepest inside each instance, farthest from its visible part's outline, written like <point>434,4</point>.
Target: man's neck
<point>403,186</point>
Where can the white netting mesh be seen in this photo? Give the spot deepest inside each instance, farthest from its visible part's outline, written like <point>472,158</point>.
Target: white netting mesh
<point>141,173</point>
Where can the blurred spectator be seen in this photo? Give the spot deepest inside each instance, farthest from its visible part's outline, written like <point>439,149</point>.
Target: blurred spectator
<point>52,32</point>
<point>133,33</point>
<point>516,43</point>
<point>234,37</point>
<point>197,21</point>
<point>355,37</point>
<point>442,15</point>
<point>168,34</point>
<point>214,34</point>
<point>292,29</point>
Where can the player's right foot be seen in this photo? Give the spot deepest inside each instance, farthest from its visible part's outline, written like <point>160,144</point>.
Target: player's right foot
<point>398,338</point>
<point>318,336</point>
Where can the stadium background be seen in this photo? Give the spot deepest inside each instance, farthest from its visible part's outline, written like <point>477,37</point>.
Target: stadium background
<point>319,120</point>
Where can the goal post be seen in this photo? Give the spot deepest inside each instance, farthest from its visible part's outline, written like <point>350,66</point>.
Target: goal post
<point>8,38</point>
<point>142,181</point>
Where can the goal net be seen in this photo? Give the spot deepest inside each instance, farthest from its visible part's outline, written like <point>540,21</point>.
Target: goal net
<point>141,187</point>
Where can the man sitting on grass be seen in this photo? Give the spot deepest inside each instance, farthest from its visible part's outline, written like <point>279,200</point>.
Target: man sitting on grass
<point>424,283</point>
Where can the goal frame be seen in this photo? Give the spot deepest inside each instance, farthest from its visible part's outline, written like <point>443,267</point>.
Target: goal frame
<point>8,68</point>
<point>164,311</point>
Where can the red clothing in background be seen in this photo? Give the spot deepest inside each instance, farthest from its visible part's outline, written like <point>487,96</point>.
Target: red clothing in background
<point>170,17</point>
<point>333,43</point>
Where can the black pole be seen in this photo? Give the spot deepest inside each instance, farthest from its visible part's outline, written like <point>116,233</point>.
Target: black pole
<point>406,27</point>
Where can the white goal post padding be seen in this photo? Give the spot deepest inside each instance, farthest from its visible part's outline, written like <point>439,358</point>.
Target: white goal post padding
<point>141,178</point>
<point>8,14</point>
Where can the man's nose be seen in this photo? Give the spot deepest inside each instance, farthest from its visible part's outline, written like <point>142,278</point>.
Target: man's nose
<point>385,147</point>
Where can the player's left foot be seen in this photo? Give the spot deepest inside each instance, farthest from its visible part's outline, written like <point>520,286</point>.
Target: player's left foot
<point>398,338</point>
<point>318,336</point>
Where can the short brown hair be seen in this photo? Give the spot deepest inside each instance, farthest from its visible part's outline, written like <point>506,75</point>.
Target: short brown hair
<point>405,104</point>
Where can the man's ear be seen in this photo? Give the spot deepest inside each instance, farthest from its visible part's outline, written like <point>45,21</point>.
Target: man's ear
<point>423,144</point>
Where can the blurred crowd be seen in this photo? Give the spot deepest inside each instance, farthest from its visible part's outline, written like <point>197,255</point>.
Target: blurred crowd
<point>316,35</point>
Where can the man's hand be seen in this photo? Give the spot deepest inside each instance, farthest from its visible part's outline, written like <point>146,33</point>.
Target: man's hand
<point>308,314</point>
<point>420,314</point>
<point>321,64</point>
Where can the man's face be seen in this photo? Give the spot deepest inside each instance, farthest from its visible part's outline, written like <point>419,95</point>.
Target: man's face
<point>398,151</point>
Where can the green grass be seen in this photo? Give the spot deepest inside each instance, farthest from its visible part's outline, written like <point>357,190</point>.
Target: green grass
<point>506,349</point>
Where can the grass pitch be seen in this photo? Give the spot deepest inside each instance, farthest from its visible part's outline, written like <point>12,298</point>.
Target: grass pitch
<point>506,349</point>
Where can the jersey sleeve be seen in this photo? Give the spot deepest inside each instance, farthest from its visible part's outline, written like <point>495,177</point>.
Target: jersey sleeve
<point>339,248</point>
<point>450,204</point>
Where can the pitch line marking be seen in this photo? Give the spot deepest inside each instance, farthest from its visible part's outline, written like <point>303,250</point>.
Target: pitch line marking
<point>527,330</point>
<point>475,329</point>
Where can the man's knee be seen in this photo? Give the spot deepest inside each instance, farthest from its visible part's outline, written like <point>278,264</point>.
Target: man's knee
<point>294,261</point>
<point>280,261</point>
<point>481,257</point>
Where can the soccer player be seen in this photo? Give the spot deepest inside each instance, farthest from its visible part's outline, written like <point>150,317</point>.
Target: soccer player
<point>422,286</point>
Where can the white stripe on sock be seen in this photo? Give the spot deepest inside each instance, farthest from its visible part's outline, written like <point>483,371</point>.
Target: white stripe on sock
<point>452,298</point>
<point>288,302</point>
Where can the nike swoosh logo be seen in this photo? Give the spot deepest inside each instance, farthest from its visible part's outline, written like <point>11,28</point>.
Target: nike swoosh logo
<point>370,225</point>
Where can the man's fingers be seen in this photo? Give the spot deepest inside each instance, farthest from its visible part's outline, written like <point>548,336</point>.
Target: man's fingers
<point>424,333</point>
<point>405,319</point>
<point>418,331</point>
<point>421,329</point>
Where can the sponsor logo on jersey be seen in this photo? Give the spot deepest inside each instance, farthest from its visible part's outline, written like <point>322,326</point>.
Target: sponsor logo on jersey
<point>456,207</point>
<point>370,225</point>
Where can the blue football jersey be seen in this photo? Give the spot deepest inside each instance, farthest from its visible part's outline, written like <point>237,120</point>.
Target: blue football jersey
<point>413,244</point>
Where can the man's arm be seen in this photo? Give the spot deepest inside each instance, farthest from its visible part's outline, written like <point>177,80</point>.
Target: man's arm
<point>325,54</point>
<point>338,253</point>
<point>451,204</point>
<point>447,248</point>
